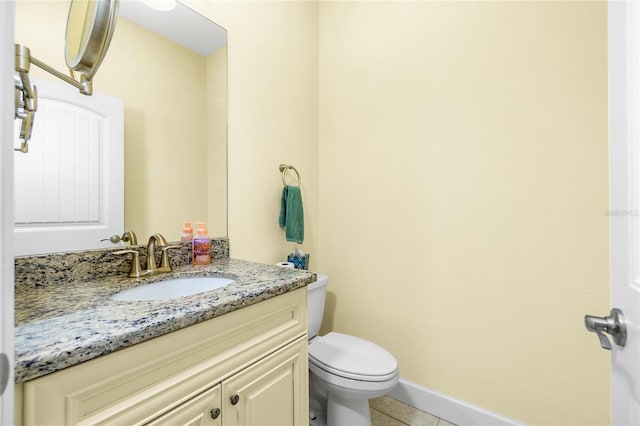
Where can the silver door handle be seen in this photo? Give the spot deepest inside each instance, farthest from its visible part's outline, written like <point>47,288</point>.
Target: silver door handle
<point>614,325</point>
<point>4,372</point>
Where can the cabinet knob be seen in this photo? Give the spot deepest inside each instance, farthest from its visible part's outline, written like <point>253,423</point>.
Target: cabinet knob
<point>215,413</point>
<point>234,399</point>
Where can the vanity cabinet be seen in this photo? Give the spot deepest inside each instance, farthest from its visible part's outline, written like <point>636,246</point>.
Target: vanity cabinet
<point>262,394</point>
<point>247,367</point>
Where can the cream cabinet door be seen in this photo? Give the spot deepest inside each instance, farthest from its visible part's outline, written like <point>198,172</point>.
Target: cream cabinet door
<point>203,410</point>
<point>69,189</point>
<point>271,392</point>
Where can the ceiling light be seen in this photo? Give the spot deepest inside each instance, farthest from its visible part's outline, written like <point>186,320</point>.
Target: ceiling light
<point>161,5</point>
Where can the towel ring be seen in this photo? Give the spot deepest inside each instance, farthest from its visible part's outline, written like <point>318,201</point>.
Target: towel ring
<point>284,168</point>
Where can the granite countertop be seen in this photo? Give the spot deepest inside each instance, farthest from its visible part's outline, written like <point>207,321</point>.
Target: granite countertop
<point>60,325</point>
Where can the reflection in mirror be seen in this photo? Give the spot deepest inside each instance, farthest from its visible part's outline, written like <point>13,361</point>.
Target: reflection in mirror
<point>78,13</point>
<point>90,26</point>
<point>175,117</point>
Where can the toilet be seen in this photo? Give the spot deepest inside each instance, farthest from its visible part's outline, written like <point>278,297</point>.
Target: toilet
<point>344,371</point>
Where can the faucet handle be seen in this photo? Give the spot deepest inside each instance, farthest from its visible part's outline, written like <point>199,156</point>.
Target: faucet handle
<point>164,263</point>
<point>136,270</point>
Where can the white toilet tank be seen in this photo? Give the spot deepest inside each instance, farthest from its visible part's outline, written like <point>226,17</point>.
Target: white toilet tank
<point>316,293</point>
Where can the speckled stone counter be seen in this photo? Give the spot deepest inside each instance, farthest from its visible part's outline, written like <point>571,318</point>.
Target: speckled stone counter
<point>71,320</point>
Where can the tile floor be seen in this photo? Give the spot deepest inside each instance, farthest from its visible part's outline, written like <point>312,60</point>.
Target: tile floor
<point>386,411</point>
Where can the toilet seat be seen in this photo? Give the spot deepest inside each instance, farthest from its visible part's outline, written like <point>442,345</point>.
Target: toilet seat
<point>352,357</point>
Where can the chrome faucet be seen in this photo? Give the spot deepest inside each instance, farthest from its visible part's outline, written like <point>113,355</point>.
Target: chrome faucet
<point>156,240</point>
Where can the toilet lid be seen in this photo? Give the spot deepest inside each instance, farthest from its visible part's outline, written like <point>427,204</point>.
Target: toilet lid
<point>352,357</point>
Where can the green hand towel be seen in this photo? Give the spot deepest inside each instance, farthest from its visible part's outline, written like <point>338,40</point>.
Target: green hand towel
<point>292,214</point>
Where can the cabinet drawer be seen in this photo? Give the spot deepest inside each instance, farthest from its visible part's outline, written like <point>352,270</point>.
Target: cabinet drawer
<point>140,383</point>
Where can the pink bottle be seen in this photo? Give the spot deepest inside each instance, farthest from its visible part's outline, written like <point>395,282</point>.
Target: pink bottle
<point>187,232</point>
<point>201,246</point>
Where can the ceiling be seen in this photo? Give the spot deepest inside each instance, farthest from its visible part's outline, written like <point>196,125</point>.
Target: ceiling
<point>204,36</point>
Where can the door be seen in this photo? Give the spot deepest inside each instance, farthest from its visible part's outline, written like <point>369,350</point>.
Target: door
<point>69,187</point>
<point>624,159</point>
<point>7,64</point>
<point>624,107</point>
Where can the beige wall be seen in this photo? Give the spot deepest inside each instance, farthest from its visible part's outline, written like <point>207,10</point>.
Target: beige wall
<point>165,148</point>
<point>216,120</point>
<point>463,185</point>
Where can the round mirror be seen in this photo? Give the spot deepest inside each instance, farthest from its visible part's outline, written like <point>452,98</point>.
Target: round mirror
<point>90,26</point>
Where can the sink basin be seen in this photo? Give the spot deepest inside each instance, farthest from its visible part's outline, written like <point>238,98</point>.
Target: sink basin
<point>171,289</point>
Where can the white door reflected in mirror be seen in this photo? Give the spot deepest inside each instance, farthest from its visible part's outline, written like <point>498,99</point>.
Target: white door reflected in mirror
<point>69,190</point>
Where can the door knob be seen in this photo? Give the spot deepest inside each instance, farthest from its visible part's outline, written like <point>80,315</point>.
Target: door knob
<point>5,367</point>
<point>614,325</point>
<point>215,413</point>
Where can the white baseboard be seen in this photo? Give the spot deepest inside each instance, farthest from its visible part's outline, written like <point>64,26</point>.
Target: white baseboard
<point>447,408</point>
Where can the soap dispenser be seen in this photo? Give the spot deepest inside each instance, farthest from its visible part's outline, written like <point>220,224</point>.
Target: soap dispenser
<point>201,246</point>
<point>187,232</point>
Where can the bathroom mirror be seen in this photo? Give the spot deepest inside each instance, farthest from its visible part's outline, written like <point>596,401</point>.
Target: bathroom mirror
<point>90,26</point>
<point>173,86</point>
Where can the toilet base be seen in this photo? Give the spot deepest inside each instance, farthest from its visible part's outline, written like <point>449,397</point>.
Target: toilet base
<point>341,405</point>
<point>317,412</point>
<point>347,411</point>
